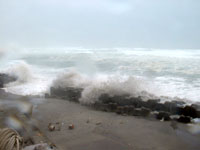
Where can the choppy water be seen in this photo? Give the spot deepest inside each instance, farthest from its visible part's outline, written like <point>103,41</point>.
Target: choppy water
<point>173,73</point>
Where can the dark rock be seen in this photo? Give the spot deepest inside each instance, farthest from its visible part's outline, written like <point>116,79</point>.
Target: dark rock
<point>105,107</point>
<point>189,111</point>
<point>152,104</point>
<point>97,106</point>
<point>163,115</point>
<point>137,102</point>
<point>184,119</point>
<point>160,107</point>
<point>120,110</point>
<point>197,107</point>
<point>155,105</point>
<point>173,108</point>
<point>112,107</point>
<point>1,84</point>
<point>121,100</point>
<point>144,112</point>
<point>179,103</point>
<point>198,113</point>
<point>101,107</point>
<point>106,99</point>
<point>129,110</point>
<point>5,79</point>
<point>68,93</point>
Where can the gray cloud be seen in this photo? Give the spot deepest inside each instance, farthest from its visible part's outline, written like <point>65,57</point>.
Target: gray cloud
<point>100,23</point>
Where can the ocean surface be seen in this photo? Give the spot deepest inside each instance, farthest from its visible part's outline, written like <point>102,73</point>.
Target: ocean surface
<point>167,73</point>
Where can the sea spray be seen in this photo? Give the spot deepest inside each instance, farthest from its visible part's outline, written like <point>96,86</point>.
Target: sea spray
<point>28,82</point>
<point>21,70</point>
<point>95,86</point>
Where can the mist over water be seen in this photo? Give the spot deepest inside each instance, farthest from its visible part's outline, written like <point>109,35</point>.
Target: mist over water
<point>173,73</point>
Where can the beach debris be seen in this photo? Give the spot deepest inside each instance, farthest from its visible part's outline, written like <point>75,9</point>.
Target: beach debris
<point>10,139</point>
<point>58,126</point>
<point>51,127</point>
<point>28,141</point>
<point>20,119</point>
<point>55,126</point>
<point>71,126</point>
<point>42,146</point>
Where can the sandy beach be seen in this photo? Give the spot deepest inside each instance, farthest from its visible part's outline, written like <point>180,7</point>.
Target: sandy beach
<point>105,131</point>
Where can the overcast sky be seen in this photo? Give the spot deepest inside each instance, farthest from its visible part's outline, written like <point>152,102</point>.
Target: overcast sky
<point>100,23</point>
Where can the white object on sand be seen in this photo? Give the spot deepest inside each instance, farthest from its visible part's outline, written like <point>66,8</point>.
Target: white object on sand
<point>42,146</point>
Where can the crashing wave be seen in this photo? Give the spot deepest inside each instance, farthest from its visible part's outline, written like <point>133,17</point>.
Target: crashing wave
<point>94,86</point>
<point>21,70</point>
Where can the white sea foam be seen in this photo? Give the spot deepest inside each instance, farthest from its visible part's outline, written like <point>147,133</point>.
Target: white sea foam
<point>71,79</point>
<point>28,81</point>
<point>21,70</point>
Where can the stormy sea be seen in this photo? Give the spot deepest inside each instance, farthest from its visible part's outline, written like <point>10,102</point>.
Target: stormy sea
<point>162,73</point>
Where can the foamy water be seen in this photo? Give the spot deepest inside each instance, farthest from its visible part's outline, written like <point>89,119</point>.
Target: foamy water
<point>173,73</point>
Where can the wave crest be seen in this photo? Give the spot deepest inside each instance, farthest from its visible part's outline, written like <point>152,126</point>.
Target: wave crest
<point>95,86</point>
<point>21,70</point>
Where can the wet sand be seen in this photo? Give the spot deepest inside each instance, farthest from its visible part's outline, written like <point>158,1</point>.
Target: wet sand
<point>96,130</point>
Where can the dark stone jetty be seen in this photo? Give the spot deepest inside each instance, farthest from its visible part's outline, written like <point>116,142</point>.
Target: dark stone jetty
<point>133,106</point>
<point>69,93</point>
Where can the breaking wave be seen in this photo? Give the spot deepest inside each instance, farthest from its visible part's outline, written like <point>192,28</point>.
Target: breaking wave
<point>29,82</point>
<point>94,86</point>
<point>20,70</point>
